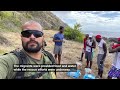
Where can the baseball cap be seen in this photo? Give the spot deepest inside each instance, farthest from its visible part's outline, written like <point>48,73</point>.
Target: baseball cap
<point>91,34</point>
<point>119,39</point>
<point>98,36</point>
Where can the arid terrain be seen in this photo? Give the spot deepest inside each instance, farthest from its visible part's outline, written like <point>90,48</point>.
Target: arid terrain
<point>71,52</point>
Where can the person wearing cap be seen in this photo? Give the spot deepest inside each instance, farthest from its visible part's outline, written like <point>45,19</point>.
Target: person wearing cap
<point>101,54</point>
<point>90,45</point>
<point>116,45</point>
<point>58,39</point>
<point>115,69</point>
<point>84,48</point>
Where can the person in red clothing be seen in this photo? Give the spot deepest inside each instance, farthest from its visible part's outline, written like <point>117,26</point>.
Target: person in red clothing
<point>116,45</point>
<point>114,71</point>
<point>83,51</point>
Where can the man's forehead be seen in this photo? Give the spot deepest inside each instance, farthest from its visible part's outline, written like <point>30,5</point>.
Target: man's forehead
<point>32,26</point>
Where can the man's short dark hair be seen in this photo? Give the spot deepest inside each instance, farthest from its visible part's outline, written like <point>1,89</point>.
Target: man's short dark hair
<point>61,28</point>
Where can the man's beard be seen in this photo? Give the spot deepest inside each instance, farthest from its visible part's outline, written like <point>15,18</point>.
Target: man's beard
<point>31,49</point>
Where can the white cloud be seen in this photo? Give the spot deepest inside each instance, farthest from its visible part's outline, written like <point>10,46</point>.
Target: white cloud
<point>62,15</point>
<point>92,20</point>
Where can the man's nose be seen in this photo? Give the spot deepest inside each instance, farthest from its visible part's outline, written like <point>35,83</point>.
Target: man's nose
<point>32,36</point>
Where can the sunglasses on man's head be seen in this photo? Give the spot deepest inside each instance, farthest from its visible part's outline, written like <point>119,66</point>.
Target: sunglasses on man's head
<point>28,33</point>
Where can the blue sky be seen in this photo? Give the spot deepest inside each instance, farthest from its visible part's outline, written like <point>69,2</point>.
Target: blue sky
<point>92,20</point>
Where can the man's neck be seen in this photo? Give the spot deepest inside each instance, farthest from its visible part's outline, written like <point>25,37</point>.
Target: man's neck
<point>35,55</point>
<point>60,32</point>
<point>100,40</point>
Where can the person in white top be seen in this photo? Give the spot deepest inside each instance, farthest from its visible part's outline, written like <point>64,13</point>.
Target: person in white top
<point>90,45</point>
<point>101,54</point>
<point>115,69</point>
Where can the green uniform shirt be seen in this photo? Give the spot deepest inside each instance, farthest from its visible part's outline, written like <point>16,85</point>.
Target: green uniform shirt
<point>7,61</point>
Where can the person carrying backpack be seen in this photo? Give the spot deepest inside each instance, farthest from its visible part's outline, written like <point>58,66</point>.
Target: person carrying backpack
<point>32,38</point>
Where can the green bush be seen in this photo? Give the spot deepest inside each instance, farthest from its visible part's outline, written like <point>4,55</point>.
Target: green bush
<point>16,22</point>
<point>74,33</point>
<point>6,14</point>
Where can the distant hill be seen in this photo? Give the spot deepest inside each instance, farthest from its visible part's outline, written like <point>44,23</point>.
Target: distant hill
<point>12,20</point>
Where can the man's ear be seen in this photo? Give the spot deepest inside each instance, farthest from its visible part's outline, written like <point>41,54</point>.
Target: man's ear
<point>43,38</point>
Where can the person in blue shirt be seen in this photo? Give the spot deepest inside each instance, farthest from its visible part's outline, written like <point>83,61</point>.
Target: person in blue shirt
<point>58,39</point>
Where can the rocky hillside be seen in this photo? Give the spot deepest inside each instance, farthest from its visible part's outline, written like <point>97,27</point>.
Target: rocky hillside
<point>12,20</point>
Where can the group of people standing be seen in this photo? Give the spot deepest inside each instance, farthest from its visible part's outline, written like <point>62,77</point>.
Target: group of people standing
<point>90,44</point>
<point>32,38</point>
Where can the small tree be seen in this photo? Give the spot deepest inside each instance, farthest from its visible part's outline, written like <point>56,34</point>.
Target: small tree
<point>77,26</point>
<point>74,33</point>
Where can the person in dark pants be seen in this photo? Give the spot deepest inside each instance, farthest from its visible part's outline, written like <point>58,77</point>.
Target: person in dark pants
<point>90,45</point>
<point>83,51</point>
<point>101,54</point>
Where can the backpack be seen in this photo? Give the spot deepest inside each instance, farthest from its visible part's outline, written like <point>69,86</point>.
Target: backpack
<point>23,60</point>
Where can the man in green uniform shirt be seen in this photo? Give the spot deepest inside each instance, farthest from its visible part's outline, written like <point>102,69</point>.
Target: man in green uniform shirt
<point>32,38</point>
